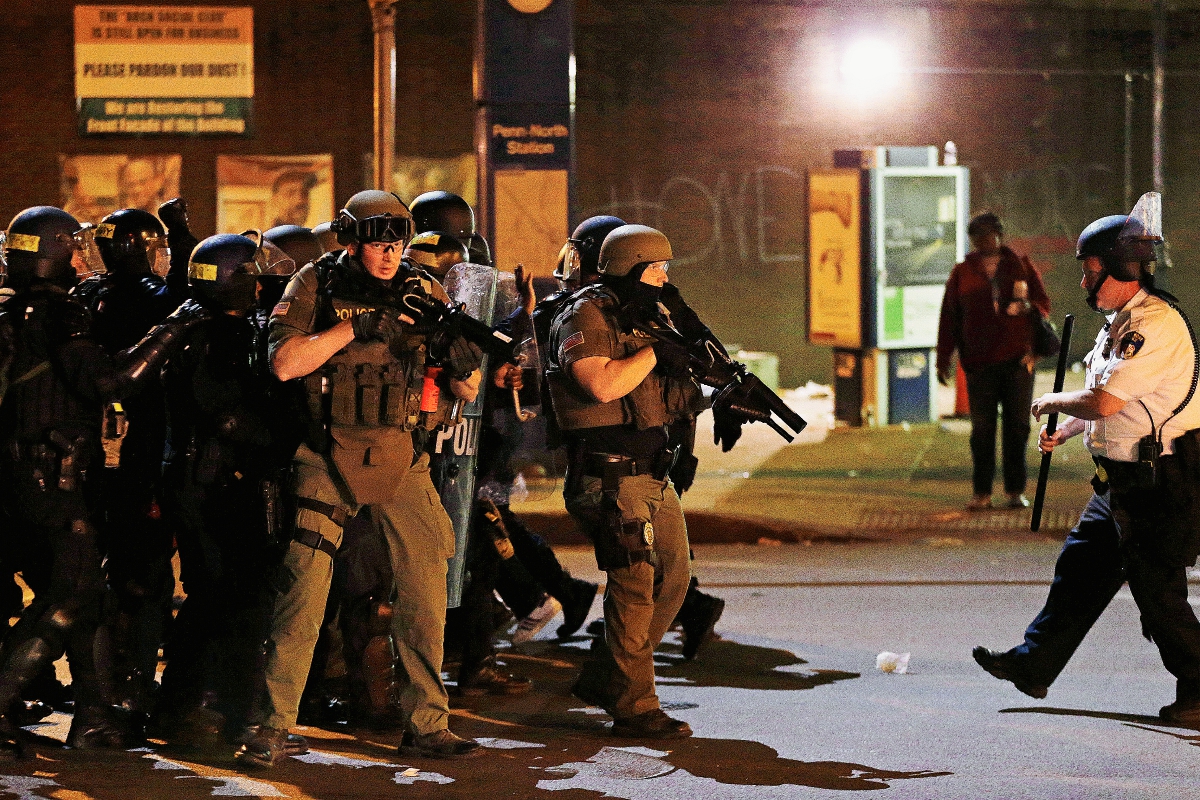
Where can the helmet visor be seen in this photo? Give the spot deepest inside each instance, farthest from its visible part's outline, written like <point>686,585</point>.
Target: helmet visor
<point>568,268</point>
<point>269,259</point>
<point>86,259</point>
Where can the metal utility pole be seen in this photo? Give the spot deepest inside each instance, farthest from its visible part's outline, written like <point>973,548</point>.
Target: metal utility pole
<point>1128,141</point>
<point>1158,80</point>
<point>383,21</point>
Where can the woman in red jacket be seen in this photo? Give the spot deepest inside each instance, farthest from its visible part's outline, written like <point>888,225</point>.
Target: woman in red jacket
<point>988,317</point>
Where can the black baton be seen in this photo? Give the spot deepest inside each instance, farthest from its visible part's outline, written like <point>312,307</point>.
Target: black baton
<point>1051,423</point>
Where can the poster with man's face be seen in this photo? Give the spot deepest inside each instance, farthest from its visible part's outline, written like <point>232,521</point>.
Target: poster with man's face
<point>94,186</point>
<point>261,192</point>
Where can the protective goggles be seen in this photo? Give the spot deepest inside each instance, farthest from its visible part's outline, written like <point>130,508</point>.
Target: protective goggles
<point>385,228</point>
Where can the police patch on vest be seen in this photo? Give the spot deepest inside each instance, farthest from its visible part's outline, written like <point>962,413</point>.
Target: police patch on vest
<point>281,309</point>
<point>648,534</point>
<point>1131,344</point>
<point>572,341</point>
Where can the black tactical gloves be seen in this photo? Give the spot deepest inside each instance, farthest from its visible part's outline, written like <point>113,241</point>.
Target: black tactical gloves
<point>463,358</point>
<point>173,214</point>
<point>727,428</point>
<point>673,361</point>
<point>377,325</point>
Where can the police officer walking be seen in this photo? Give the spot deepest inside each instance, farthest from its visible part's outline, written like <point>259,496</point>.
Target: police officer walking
<point>363,358</point>
<point>615,392</point>
<point>1139,421</point>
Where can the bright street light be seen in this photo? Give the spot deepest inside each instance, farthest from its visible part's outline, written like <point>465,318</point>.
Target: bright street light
<point>870,67</point>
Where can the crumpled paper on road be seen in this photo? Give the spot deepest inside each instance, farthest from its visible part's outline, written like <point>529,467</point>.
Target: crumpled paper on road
<point>892,662</point>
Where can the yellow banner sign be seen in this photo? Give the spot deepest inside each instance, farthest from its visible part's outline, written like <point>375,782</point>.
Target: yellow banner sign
<point>164,69</point>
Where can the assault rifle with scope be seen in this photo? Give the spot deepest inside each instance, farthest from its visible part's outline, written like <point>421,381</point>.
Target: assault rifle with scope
<point>737,389</point>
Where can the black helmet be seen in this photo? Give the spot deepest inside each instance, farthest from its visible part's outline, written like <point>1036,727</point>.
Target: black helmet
<point>133,242</point>
<point>443,211</point>
<point>301,244</point>
<point>373,216</point>
<point>1100,239</point>
<point>327,237</point>
<point>38,246</point>
<point>584,248</point>
<point>224,270</point>
<point>478,250</point>
<point>436,252</point>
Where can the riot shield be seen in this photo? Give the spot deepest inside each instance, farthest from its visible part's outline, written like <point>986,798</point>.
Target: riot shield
<point>455,450</point>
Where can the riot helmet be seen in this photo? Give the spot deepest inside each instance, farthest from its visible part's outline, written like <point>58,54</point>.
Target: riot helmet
<point>373,216</point>
<point>38,246</point>
<point>582,257</point>
<point>478,251</point>
<point>630,246</point>
<point>436,252</point>
<point>443,211</point>
<point>1121,241</point>
<point>327,237</point>
<point>300,243</point>
<point>224,270</point>
<point>133,242</point>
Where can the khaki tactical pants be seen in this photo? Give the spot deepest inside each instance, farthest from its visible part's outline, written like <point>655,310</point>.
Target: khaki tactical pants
<point>640,601</point>
<point>420,540</point>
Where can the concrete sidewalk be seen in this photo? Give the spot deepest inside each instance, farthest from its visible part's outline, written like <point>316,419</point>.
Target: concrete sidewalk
<point>846,483</point>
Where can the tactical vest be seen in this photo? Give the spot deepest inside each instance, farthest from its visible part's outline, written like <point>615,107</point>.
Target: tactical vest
<point>656,401</point>
<point>370,384</point>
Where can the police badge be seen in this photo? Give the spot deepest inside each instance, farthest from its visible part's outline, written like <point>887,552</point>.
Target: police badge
<point>1131,344</point>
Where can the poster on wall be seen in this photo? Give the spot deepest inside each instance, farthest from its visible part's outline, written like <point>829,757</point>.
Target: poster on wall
<point>834,258</point>
<point>91,187</point>
<point>260,192</point>
<point>413,176</point>
<point>164,69</point>
<point>531,218</point>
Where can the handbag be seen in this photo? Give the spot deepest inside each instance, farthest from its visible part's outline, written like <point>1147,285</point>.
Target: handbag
<point>1045,337</point>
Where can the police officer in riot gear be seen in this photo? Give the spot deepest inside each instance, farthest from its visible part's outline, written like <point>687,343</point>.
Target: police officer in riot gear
<point>343,328</point>
<point>435,252</point>
<point>615,395</point>
<point>579,266</point>
<point>228,440</point>
<point>55,379</point>
<point>445,212</point>
<point>1141,424</point>
<point>136,291</point>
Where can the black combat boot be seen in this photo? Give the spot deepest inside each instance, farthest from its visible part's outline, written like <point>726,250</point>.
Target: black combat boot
<point>490,678</point>
<point>698,616</point>
<point>576,603</point>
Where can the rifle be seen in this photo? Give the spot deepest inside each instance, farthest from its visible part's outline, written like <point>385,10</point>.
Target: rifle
<point>448,322</point>
<point>737,389</point>
<point>1035,520</point>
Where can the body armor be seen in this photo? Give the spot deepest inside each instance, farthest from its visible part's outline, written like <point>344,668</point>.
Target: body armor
<point>656,401</point>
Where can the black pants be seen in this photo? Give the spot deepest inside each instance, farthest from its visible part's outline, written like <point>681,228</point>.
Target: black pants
<point>1008,386</point>
<point>1090,570</point>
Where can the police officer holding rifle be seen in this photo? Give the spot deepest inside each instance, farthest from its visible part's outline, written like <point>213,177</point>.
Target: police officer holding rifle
<point>1140,424</point>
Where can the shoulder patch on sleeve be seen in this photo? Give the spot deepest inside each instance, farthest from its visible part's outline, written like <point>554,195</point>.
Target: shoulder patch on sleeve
<point>1131,344</point>
<point>572,341</point>
<point>281,309</point>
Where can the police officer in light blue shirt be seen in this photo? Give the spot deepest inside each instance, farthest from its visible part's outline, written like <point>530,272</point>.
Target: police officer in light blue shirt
<point>1139,422</point>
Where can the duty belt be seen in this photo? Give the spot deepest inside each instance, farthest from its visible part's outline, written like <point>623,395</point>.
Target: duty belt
<point>611,467</point>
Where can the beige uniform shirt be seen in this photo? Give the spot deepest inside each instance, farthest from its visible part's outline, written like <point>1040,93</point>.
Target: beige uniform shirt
<point>1143,356</point>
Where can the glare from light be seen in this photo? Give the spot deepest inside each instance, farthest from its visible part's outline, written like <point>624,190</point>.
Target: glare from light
<point>870,67</point>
